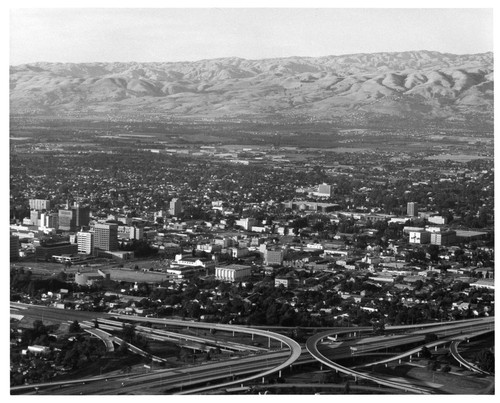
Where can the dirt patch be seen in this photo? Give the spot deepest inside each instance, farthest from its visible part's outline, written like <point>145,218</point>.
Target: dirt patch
<point>453,382</point>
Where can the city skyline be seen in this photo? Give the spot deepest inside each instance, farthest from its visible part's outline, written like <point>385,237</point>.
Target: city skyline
<point>202,198</point>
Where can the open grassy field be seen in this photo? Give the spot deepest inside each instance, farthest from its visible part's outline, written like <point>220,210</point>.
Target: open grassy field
<point>45,270</point>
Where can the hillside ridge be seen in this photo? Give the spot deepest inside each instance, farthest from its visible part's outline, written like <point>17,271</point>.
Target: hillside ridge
<point>407,85</point>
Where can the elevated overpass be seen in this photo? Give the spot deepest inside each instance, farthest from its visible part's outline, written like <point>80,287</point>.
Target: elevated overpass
<point>462,361</point>
<point>454,329</point>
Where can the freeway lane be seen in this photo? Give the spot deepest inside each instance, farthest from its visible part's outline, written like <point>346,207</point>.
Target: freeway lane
<point>261,363</point>
<point>416,350</point>
<point>259,366</point>
<point>104,336</point>
<point>159,334</point>
<point>453,329</point>
<point>295,349</point>
<point>311,346</point>
<point>46,313</point>
<point>462,361</point>
<point>172,378</point>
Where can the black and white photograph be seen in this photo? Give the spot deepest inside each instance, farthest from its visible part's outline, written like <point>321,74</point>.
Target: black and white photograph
<point>250,199</point>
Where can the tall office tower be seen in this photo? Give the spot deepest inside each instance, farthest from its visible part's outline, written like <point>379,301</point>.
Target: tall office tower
<point>175,207</point>
<point>82,214</point>
<point>14,248</point>
<point>411,209</point>
<point>136,233</point>
<point>73,218</point>
<point>85,242</point>
<point>35,217</point>
<point>106,236</point>
<point>67,220</point>
<point>39,204</point>
<point>52,220</point>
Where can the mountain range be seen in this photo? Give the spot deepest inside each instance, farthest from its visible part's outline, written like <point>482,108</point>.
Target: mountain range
<point>420,85</point>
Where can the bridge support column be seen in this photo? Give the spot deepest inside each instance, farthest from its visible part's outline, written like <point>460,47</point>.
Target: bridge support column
<point>253,336</point>
<point>281,344</point>
<point>400,361</point>
<point>269,343</point>
<point>410,358</point>
<point>233,333</point>
<point>279,373</point>
<point>435,348</point>
<point>418,354</point>
<point>321,366</point>
<point>386,365</point>
<point>263,379</point>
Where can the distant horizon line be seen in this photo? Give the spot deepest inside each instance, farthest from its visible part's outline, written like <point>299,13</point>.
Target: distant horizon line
<point>258,59</point>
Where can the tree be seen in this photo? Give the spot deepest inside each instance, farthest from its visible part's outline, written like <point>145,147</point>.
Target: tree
<point>74,327</point>
<point>122,350</point>
<point>430,337</point>
<point>128,332</point>
<point>426,353</point>
<point>418,285</point>
<point>378,327</point>
<point>486,360</point>
<point>433,251</point>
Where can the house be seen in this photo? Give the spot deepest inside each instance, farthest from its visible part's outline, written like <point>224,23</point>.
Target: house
<point>285,281</point>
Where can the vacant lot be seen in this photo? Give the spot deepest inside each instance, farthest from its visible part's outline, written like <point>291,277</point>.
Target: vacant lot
<point>457,381</point>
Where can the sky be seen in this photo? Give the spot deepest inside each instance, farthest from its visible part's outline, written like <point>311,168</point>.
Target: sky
<point>78,35</point>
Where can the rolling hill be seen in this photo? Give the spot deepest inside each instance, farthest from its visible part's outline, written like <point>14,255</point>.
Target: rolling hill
<point>408,85</point>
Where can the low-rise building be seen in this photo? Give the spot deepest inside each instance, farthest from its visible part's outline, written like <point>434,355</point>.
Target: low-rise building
<point>285,281</point>
<point>419,237</point>
<point>45,252</point>
<point>443,238</point>
<point>233,272</point>
<point>274,257</point>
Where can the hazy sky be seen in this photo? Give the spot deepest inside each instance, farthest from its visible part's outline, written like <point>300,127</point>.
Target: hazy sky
<point>172,34</point>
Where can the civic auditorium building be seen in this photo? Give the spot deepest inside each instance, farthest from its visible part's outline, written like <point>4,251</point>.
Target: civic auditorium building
<point>233,272</point>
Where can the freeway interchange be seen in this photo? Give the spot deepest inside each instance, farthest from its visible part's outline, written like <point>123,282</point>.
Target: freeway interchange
<point>258,363</point>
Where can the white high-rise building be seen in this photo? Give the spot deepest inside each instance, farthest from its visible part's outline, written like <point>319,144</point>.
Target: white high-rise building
<point>85,242</point>
<point>43,220</point>
<point>175,207</point>
<point>136,233</point>
<point>412,209</point>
